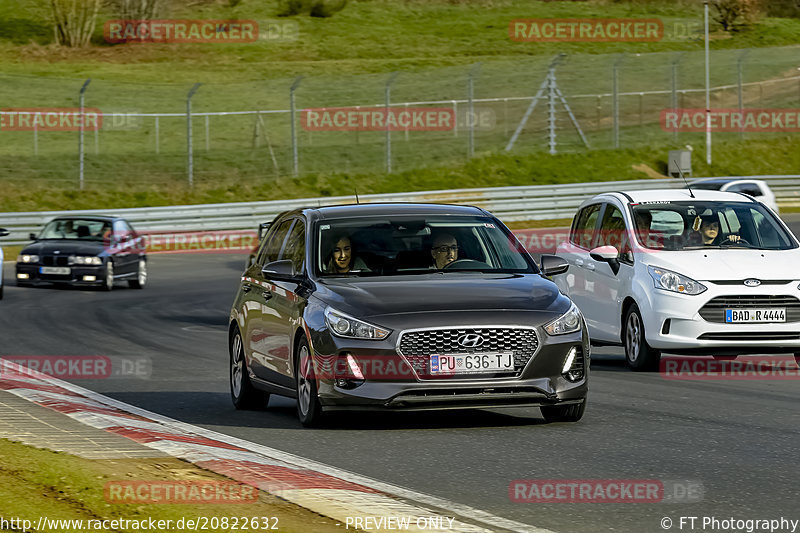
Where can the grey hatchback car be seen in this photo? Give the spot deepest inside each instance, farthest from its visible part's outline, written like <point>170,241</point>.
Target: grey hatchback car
<point>404,307</point>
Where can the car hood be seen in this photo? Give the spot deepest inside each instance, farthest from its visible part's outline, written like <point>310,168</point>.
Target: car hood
<point>374,297</point>
<point>64,247</point>
<point>729,263</point>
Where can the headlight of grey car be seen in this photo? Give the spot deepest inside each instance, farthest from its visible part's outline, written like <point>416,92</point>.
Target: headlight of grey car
<point>569,322</point>
<point>343,325</point>
<point>28,258</point>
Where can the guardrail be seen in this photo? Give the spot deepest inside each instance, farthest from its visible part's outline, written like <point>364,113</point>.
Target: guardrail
<point>534,202</point>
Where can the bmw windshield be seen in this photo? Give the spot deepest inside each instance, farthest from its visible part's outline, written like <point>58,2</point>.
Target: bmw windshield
<point>76,229</point>
<point>401,245</point>
<point>699,225</point>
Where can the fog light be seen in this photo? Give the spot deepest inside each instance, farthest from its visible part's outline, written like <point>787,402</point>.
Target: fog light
<point>22,276</point>
<point>89,278</point>
<point>348,372</point>
<point>570,359</point>
<point>573,369</point>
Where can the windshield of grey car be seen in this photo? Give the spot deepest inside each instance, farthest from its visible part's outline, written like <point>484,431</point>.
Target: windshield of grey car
<point>386,245</point>
<point>77,229</point>
<point>700,225</point>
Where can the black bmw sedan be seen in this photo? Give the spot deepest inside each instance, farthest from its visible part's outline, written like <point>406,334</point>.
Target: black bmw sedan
<point>84,250</point>
<point>404,306</point>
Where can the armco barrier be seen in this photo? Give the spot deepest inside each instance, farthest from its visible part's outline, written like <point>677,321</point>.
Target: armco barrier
<point>535,202</point>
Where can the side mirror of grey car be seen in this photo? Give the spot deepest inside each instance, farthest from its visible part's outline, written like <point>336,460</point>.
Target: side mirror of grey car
<point>32,236</point>
<point>3,232</point>
<point>606,254</point>
<point>552,265</point>
<point>280,270</point>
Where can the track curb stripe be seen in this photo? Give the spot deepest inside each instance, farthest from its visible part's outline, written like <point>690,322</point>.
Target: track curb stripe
<point>321,488</point>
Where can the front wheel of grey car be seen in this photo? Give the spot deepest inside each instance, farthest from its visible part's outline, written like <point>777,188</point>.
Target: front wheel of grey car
<point>564,413</point>
<point>243,394</point>
<point>638,354</point>
<point>309,410</point>
<point>108,276</point>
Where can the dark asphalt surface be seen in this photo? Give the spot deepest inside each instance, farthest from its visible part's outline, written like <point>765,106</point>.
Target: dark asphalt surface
<point>738,438</point>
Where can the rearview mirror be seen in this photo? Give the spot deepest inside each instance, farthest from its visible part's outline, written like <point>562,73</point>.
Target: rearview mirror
<point>32,236</point>
<point>280,270</point>
<point>553,265</point>
<point>606,254</point>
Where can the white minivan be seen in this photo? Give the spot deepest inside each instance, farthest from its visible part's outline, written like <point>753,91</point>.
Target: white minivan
<point>702,272</point>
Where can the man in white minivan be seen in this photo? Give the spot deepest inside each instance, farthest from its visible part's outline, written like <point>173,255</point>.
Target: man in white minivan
<point>664,283</point>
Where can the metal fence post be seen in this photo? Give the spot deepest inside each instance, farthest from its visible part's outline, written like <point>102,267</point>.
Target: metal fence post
<point>207,128</point>
<point>190,162</point>
<point>615,99</point>
<point>80,135</point>
<point>674,102</point>
<point>471,110</point>
<point>292,89</point>
<point>740,84</point>
<point>387,92</point>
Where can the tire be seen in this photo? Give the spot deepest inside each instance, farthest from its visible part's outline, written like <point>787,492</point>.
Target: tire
<point>309,410</point>
<point>797,359</point>
<point>108,276</point>
<point>639,356</point>
<point>1,291</point>
<point>141,276</point>
<point>243,394</point>
<point>563,413</point>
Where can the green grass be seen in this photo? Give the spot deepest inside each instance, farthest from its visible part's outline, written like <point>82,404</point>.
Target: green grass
<point>39,483</point>
<point>345,59</point>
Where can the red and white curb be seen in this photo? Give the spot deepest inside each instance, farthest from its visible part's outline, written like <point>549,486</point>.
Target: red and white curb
<point>323,489</point>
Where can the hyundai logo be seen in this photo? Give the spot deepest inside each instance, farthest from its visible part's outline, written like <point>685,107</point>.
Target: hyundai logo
<point>471,340</point>
<point>752,282</point>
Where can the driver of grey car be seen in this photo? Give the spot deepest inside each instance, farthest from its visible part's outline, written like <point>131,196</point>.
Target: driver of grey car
<point>444,250</point>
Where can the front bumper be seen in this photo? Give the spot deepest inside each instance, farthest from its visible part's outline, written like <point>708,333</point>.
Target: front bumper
<point>673,323</point>
<point>75,276</point>
<point>539,383</point>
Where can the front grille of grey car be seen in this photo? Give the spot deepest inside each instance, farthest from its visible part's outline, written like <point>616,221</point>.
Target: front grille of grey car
<point>714,310</point>
<point>418,346</point>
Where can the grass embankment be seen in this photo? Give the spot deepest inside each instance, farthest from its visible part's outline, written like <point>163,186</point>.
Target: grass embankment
<point>39,483</point>
<point>345,60</point>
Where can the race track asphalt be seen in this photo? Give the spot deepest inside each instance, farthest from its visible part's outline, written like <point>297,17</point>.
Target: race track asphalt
<point>739,439</point>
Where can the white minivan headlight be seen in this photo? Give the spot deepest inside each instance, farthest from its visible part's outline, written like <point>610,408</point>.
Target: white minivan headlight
<point>344,325</point>
<point>672,281</point>
<point>569,322</point>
